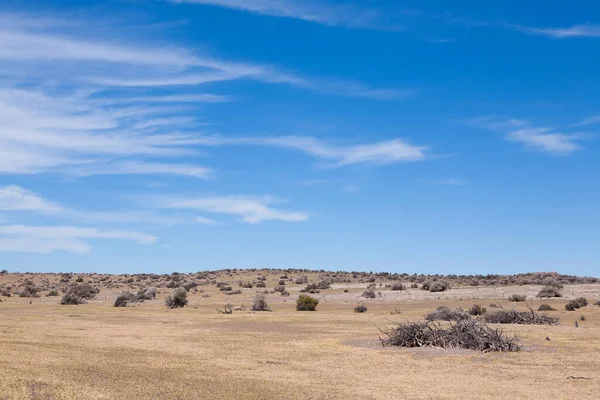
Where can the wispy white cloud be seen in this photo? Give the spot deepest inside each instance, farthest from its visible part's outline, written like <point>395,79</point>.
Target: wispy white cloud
<point>45,239</point>
<point>322,11</point>
<point>562,33</point>
<point>544,139</point>
<point>589,121</point>
<point>379,153</point>
<point>15,198</point>
<point>207,221</point>
<point>251,209</point>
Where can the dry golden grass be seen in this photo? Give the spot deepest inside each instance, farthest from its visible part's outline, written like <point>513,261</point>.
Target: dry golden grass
<point>96,351</point>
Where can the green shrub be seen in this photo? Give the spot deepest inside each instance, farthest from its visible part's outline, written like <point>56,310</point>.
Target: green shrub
<point>306,303</point>
<point>177,298</point>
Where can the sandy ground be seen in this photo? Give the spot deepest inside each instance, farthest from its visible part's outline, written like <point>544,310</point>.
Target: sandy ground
<point>96,351</point>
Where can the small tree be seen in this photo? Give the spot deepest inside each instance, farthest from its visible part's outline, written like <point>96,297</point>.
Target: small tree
<point>177,298</point>
<point>306,303</point>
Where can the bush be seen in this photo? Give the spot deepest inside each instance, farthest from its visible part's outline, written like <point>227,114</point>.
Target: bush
<point>477,310</point>
<point>436,286</point>
<point>52,293</point>
<point>549,291</point>
<point>397,286</point>
<point>575,304</point>
<point>177,298</point>
<point>518,298</point>
<point>361,308</point>
<point>446,314</point>
<point>582,318</point>
<point>189,286</point>
<point>71,299</point>
<point>83,290</point>
<point>238,291</point>
<point>597,303</point>
<point>260,303</point>
<point>519,317</point>
<point>261,284</point>
<point>414,285</point>
<point>29,291</point>
<point>279,288</point>
<point>148,293</point>
<point>281,282</point>
<point>310,288</point>
<point>546,307</point>
<point>285,293</point>
<point>306,303</point>
<point>467,334</point>
<point>125,298</point>
<point>369,294</point>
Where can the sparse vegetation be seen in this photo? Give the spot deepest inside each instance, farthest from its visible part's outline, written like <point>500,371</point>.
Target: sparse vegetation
<point>306,303</point>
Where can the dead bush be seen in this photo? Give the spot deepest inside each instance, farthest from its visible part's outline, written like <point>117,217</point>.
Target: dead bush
<point>446,314</point>
<point>466,334</point>
<point>519,317</point>
<point>177,298</point>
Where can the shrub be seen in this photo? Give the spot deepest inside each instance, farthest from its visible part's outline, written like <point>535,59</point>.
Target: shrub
<point>477,310</point>
<point>446,314</point>
<point>306,303</point>
<point>302,280</point>
<point>582,318</point>
<point>279,288</point>
<point>517,298</point>
<point>310,288</point>
<point>438,286</point>
<point>247,285</point>
<point>52,293</point>
<point>125,298</point>
<point>260,303</point>
<point>519,317</point>
<point>285,293</point>
<point>414,285</point>
<point>261,284</point>
<point>281,282</point>
<point>189,286</point>
<point>177,298</point>
<point>582,301</point>
<point>71,299</point>
<point>29,291</point>
<point>467,334</point>
<point>361,308</point>
<point>546,307</point>
<point>397,286</point>
<point>148,293</point>
<point>83,290</point>
<point>234,292</point>
<point>369,294</point>
<point>549,291</point>
<point>596,303</point>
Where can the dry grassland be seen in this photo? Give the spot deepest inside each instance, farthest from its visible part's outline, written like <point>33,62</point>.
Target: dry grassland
<point>97,351</point>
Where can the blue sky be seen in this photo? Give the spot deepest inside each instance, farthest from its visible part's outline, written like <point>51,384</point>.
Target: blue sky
<point>413,136</point>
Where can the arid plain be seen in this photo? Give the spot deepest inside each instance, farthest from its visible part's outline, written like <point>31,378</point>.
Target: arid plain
<point>148,351</point>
